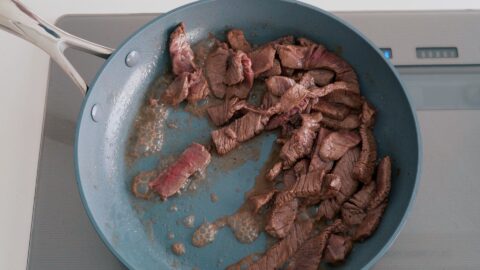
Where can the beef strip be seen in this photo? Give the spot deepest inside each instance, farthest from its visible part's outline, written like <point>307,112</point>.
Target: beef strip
<point>340,87</point>
<point>350,122</point>
<point>259,200</point>
<point>293,56</point>
<point>331,110</point>
<point>329,60</point>
<point>181,54</point>
<point>234,72</point>
<point>301,142</point>
<point>237,40</point>
<point>269,100</point>
<point>221,113</point>
<point>307,81</point>
<point>317,163</point>
<point>303,41</point>
<point>370,222</point>
<point>328,209</point>
<point>274,171</point>
<point>281,218</point>
<point>286,40</point>
<point>322,77</point>
<point>349,99</point>
<point>292,100</point>
<point>384,173</point>
<point>177,91</point>
<point>368,114</point>
<point>331,185</point>
<point>310,253</point>
<point>337,249</point>
<point>353,210</point>
<point>195,158</point>
<point>336,144</point>
<point>278,254</point>
<point>242,129</point>
<point>278,85</point>
<point>364,167</point>
<point>216,68</point>
<point>198,87</point>
<point>242,89</point>
<point>262,59</point>
<point>289,178</point>
<point>343,169</point>
<point>300,168</point>
<point>274,71</point>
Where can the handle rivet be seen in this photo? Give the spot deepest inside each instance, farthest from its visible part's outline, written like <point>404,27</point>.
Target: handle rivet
<point>96,113</point>
<point>132,58</point>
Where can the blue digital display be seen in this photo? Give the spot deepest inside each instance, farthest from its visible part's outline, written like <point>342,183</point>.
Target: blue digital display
<point>387,53</point>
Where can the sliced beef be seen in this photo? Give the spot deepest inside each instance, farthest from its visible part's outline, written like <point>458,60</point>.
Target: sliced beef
<point>274,71</point>
<point>301,168</point>
<point>339,87</point>
<point>349,99</point>
<point>195,158</point>
<point>368,114</point>
<point>322,77</point>
<point>293,56</point>
<point>259,200</point>
<point>302,41</point>
<point>336,144</point>
<point>332,110</point>
<point>181,54</point>
<point>301,142</point>
<point>307,81</point>
<point>234,72</point>
<point>329,60</point>
<point>216,68</point>
<point>221,114</point>
<point>350,122</point>
<point>278,85</point>
<point>294,100</point>
<point>309,184</point>
<point>343,169</point>
<point>274,171</point>
<point>286,40</point>
<point>363,169</point>
<point>328,209</point>
<point>337,249</point>
<point>237,40</point>
<point>177,91</point>
<point>353,211</point>
<point>370,222</point>
<point>242,89</point>
<point>317,163</point>
<point>242,129</point>
<point>262,59</point>
<point>281,218</point>
<point>278,254</point>
<point>310,253</point>
<point>289,178</point>
<point>269,100</point>
<point>384,173</point>
<point>331,185</point>
<point>198,87</point>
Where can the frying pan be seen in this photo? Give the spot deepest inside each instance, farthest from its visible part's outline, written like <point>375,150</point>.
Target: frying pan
<point>136,230</point>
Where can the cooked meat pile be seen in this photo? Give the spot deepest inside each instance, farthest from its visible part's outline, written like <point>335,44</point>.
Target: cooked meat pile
<point>328,157</point>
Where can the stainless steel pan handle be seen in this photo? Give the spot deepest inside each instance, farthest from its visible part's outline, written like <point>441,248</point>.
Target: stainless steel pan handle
<point>19,20</point>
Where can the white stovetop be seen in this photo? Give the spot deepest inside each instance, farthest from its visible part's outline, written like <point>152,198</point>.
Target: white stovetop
<point>23,80</point>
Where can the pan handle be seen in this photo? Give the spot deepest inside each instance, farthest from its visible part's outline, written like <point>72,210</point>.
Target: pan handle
<point>19,20</point>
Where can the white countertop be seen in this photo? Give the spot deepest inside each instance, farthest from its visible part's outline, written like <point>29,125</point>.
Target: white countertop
<point>23,73</point>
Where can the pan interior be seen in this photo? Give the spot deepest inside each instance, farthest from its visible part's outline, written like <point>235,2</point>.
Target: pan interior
<point>136,230</point>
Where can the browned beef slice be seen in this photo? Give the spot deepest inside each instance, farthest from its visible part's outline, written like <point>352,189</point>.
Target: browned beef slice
<point>234,72</point>
<point>322,77</point>
<point>353,210</point>
<point>259,200</point>
<point>221,114</point>
<point>177,91</point>
<point>242,89</point>
<point>309,184</point>
<point>278,85</point>
<point>302,41</point>
<point>349,99</point>
<point>336,144</point>
<point>198,87</point>
<point>307,80</point>
<point>331,185</point>
<point>350,122</point>
<point>286,40</point>
<point>328,209</point>
<point>301,142</point>
<point>292,56</point>
<point>337,249</point>
<point>292,101</point>
<point>384,173</point>
<point>181,53</point>
<point>336,87</point>
<point>343,169</point>
<point>370,222</point>
<point>301,167</point>
<point>274,171</point>
<point>331,110</point>
<point>368,114</point>
<point>310,253</point>
<point>237,40</point>
<point>216,68</point>
<point>195,158</point>
<point>269,100</point>
<point>262,59</point>
<point>278,254</point>
<point>242,129</point>
<point>274,71</point>
<point>317,163</point>
<point>363,169</point>
<point>281,218</point>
